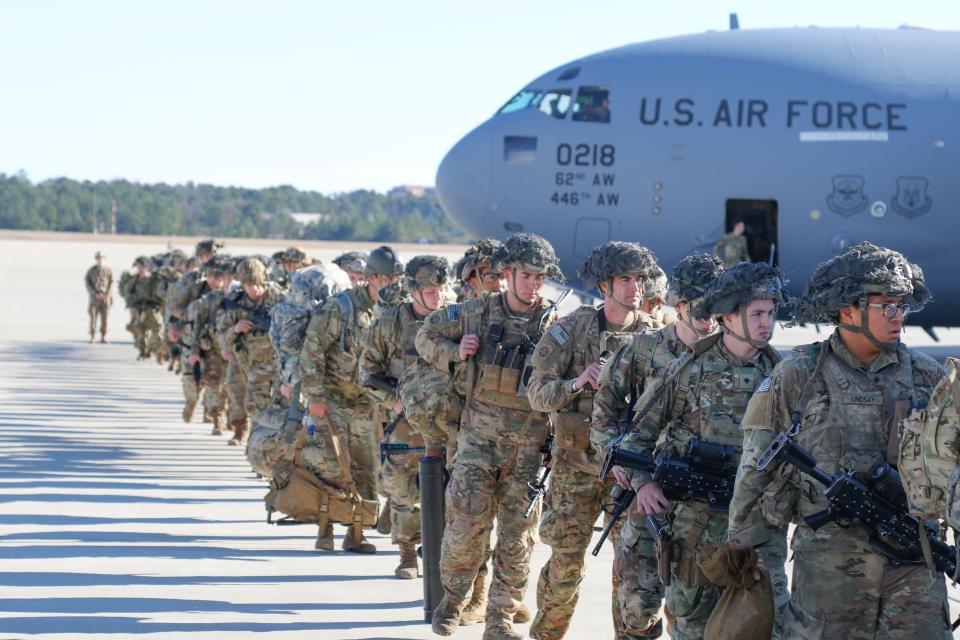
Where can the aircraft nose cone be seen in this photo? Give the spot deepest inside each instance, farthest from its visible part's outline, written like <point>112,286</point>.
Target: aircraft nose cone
<point>463,181</point>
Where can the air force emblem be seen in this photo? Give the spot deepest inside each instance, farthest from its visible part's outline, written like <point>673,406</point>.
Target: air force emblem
<point>911,199</point>
<point>847,198</point>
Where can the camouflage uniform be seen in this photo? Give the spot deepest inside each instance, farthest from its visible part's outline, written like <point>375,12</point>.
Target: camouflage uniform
<point>497,446</point>
<point>623,380</point>
<point>147,320</point>
<point>847,414</point>
<point>704,396</point>
<point>204,343</point>
<point>732,249</point>
<point>253,349</point>
<point>576,496</point>
<point>98,281</point>
<point>188,288</point>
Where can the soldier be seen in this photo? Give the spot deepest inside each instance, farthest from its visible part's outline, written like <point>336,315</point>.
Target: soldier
<point>654,294</point>
<point>566,366</point>
<point>245,323</point>
<point>703,396</point>
<point>235,381</point>
<point>500,436</point>
<point>206,364</point>
<point>330,383</point>
<point>294,258</point>
<point>98,281</point>
<point>354,263</point>
<point>388,350</point>
<point>622,381</point>
<point>842,399</point>
<point>476,271</point>
<point>146,305</point>
<point>732,247</point>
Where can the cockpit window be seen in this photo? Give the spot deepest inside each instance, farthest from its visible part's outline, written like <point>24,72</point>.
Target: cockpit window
<point>556,103</point>
<point>526,99</point>
<point>592,105</point>
<point>569,74</point>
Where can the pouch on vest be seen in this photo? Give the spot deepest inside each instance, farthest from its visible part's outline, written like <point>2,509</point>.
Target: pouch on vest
<point>510,374</point>
<point>572,431</point>
<point>688,570</point>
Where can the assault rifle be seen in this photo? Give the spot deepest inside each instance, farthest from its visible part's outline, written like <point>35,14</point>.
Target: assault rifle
<point>876,502</point>
<point>538,488</point>
<point>258,317</point>
<point>624,498</point>
<point>706,471</point>
<point>381,383</point>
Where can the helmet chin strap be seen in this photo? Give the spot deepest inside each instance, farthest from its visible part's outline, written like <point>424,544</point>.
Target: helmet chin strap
<point>864,328</point>
<point>688,323</point>
<point>632,308</point>
<point>513,292</point>
<point>753,342</point>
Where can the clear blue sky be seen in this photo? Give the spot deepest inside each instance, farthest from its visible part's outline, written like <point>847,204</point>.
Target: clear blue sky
<point>331,96</point>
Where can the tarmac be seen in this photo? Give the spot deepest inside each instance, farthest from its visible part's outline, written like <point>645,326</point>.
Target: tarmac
<point>119,520</point>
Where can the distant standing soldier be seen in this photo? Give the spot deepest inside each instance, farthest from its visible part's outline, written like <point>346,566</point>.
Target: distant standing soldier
<point>498,445</point>
<point>623,380</point>
<point>844,400</point>
<point>388,351</point>
<point>732,247</point>
<point>99,280</point>
<point>704,396</point>
<point>245,324</point>
<point>566,365</point>
<point>329,374</point>
<point>354,263</point>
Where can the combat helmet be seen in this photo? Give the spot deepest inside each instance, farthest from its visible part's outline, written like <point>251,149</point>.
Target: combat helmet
<point>351,261</point>
<point>483,253</point>
<point>691,277</point>
<point>736,288</point>
<point>383,261</point>
<point>616,258</point>
<point>849,278</point>
<point>251,271</point>
<point>426,271</point>
<point>142,261</point>
<point>530,252</point>
<point>296,255</point>
<point>657,289</point>
<point>216,266</point>
<point>207,245</point>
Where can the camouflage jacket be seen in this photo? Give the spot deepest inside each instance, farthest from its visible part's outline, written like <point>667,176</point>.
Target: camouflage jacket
<point>237,306</point>
<point>704,395</point>
<point>732,249</point>
<point>849,420</point>
<point>143,292</point>
<point>566,349</point>
<point>179,294</point>
<point>624,378</point>
<point>202,322</point>
<point>329,360</point>
<point>505,341</point>
<point>388,348</point>
<point>98,280</point>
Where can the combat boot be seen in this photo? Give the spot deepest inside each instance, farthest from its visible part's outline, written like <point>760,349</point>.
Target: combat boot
<point>206,415</point>
<point>170,366</point>
<point>446,617</point>
<point>218,423</point>
<point>324,539</point>
<point>188,410</point>
<point>91,338</point>
<point>384,525</point>
<point>476,609</point>
<point>500,629</point>
<point>408,569</point>
<point>361,545</point>
<point>103,338</point>
<point>239,433</point>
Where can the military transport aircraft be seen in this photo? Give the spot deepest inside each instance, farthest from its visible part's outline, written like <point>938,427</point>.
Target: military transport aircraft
<point>815,138</point>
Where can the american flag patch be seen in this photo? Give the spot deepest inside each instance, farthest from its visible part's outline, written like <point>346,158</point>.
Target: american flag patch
<point>764,386</point>
<point>558,334</point>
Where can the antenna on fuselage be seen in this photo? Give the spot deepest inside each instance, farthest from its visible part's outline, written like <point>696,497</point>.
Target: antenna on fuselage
<point>734,22</point>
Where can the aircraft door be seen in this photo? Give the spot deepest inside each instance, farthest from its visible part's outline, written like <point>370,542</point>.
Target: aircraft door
<point>761,218</point>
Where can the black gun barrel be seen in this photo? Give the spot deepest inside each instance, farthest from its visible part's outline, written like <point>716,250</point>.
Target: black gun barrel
<point>381,383</point>
<point>624,498</point>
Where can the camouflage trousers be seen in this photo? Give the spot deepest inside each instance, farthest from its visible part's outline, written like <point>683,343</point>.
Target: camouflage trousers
<point>236,384</point>
<point>188,381</point>
<point>147,331</point>
<point>861,596</point>
<point>640,592</point>
<point>99,311</point>
<point>353,420</point>
<point>690,597</point>
<point>573,503</point>
<point>497,455</point>
<point>399,482</point>
<point>260,370</point>
<point>212,382</point>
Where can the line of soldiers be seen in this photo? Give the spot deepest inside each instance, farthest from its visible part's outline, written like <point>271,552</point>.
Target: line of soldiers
<point>510,392</point>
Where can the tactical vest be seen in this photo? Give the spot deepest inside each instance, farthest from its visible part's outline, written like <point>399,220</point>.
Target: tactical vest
<point>929,451</point>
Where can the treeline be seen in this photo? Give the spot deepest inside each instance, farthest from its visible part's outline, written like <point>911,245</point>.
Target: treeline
<point>200,209</point>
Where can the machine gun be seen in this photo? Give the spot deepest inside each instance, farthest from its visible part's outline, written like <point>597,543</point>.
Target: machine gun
<point>706,471</point>
<point>624,498</point>
<point>538,488</point>
<point>381,383</point>
<point>876,503</point>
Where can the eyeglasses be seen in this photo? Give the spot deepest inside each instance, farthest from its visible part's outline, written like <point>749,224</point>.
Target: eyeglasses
<point>492,276</point>
<point>890,309</point>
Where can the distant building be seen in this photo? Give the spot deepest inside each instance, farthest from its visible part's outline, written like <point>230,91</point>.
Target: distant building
<point>412,190</point>
<point>303,219</point>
